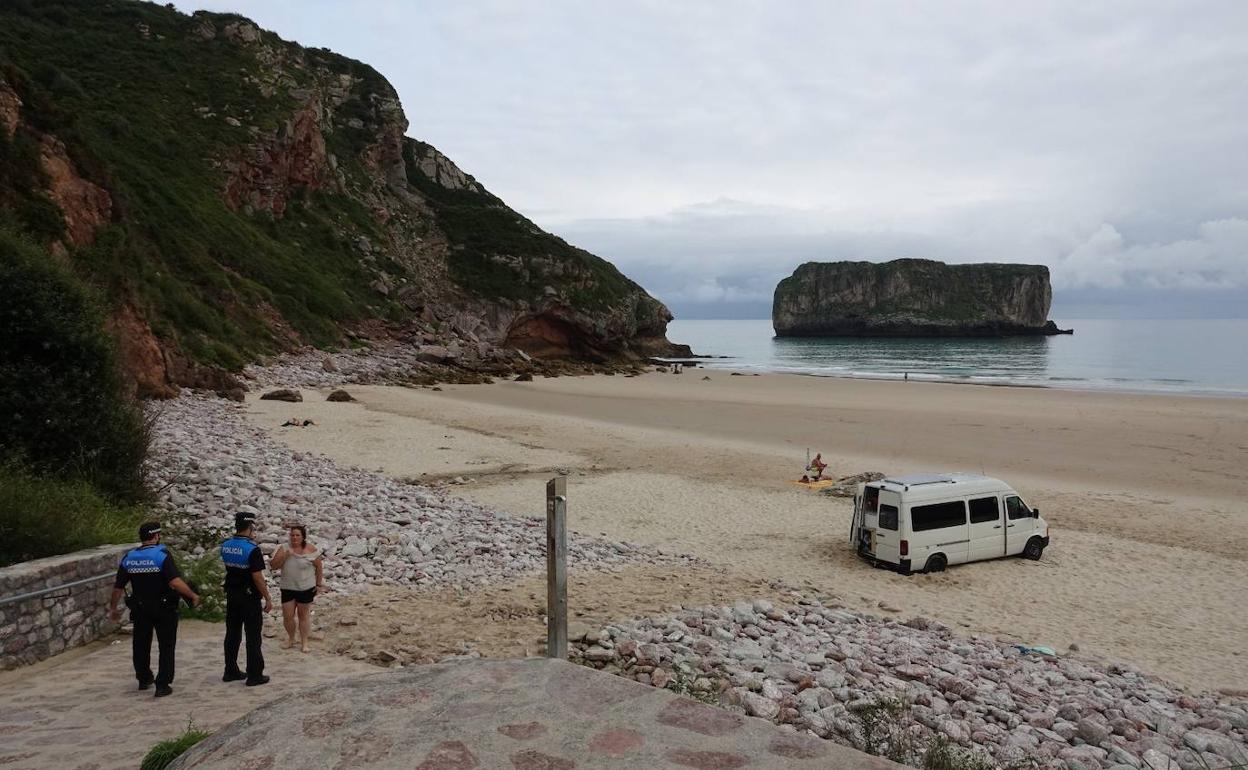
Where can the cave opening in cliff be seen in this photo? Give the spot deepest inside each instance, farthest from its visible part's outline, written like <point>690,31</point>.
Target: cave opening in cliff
<point>545,336</point>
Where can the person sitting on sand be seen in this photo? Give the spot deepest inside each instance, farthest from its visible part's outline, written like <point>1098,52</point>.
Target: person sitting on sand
<point>817,465</point>
<point>301,564</point>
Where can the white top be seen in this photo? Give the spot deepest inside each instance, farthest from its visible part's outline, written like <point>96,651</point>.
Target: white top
<point>299,571</point>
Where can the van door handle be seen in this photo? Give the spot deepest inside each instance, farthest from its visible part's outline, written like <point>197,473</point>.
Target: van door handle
<point>1011,525</point>
<point>996,526</point>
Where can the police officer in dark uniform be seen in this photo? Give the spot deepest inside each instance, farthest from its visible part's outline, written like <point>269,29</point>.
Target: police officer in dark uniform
<point>153,602</point>
<point>244,588</point>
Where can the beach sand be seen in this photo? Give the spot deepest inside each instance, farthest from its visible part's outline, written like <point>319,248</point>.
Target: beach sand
<point>1145,493</point>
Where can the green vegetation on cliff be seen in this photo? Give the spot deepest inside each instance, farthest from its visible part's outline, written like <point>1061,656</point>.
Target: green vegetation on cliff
<point>120,85</point>
<point>242,194</point>
<point>72,442</point>
<point>498,252</point>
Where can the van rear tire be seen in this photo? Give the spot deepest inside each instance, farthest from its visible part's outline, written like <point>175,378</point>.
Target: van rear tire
<point>1034,549</point>
<point>936,563</point>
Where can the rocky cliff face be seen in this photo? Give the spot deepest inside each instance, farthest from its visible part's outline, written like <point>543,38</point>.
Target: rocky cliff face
<point>913,297</point>
<point>233,195</point>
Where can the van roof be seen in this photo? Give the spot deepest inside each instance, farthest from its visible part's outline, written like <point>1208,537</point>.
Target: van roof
<point>937,484</point>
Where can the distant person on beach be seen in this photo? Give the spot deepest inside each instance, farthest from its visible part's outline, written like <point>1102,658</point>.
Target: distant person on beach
<point>817,465</point>
<point>302,576</point>
<point>244,588</point>
<point>153,602</point>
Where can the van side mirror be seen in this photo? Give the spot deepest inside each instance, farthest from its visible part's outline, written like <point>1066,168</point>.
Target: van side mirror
<point>1035,513</point>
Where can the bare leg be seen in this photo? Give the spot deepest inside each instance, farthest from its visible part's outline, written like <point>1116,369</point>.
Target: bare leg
<point>288,620</point>
<point>305,625</point>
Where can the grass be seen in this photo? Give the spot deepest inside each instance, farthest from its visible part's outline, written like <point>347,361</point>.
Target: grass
<point>45,516</point>
<point>162,754</point>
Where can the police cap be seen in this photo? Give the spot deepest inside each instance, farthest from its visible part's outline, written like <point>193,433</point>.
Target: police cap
<point>243,520</point>
<point>149,530</point>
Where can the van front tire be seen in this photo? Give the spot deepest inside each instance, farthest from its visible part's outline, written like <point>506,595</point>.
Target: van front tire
<point>936,563</point>
<point>1034,549</point>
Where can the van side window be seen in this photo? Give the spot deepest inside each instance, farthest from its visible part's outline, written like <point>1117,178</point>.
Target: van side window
<point>985,509</point>
<point>888,517</point>
<point>1016,508</point>
<point>938,516</point>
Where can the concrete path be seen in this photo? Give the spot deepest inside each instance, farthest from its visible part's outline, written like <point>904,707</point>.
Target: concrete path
<point>81,711</point>
<point>534,714</point>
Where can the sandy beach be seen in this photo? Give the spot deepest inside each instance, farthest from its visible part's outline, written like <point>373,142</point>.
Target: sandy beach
<point>1144,493</point>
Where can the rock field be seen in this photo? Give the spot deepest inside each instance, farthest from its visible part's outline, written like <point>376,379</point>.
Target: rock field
<point>810,663</point>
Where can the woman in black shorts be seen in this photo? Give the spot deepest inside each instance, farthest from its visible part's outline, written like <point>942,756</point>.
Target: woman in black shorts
<point>302,574</point>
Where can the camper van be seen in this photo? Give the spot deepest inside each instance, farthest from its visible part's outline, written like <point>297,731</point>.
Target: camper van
<point>930,521</point>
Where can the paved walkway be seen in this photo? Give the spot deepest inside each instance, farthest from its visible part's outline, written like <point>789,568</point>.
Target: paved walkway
<point>534,714</point>
<point>81,711</point>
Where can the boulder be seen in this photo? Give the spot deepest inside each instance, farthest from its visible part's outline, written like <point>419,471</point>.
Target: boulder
<point>283,394</point>
<point>436,354</point>
<point>339,396</point>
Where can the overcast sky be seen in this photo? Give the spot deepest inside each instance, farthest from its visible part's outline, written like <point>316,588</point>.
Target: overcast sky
<point>708,148</point>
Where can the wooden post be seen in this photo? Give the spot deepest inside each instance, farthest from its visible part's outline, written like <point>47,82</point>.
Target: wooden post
<point>557,568</point>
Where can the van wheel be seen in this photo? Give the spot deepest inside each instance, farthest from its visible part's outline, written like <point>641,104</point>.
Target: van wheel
<point>1034,549</point>
<point>936,563</point>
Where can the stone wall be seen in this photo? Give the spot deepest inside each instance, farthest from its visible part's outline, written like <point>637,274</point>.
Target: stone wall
<point>46,625</point>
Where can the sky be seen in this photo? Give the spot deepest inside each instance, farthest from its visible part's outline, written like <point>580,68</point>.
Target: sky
<point>709,148</point>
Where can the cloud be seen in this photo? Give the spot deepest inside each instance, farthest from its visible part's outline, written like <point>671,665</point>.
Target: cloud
<point>1216,257</point>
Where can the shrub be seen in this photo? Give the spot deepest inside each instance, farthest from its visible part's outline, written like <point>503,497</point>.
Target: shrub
<point>45,516</point>
<point>885,728</point>
<point>162,754</point>
<point>67,414</point>
<point>208,576</point>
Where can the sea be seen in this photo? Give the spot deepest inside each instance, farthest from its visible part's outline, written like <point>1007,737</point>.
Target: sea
<point>1192,356</point>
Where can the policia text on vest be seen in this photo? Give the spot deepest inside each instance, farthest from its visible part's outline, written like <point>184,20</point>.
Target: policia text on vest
<point>244,589</point>
<point>155,585</point>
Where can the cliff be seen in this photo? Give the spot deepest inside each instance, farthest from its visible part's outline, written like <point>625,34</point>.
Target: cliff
<point>231,195</point>
<point>913,297</point>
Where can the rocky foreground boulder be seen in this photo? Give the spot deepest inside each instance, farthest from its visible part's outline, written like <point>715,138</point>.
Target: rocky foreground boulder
<point>913,298</point>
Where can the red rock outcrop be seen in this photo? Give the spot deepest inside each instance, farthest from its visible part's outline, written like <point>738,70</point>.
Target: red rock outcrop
<point>141,354</point>
<point>270,172</point>
<point>85,206</point>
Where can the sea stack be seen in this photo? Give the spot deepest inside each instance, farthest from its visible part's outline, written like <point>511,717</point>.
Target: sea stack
<point>913,298</point>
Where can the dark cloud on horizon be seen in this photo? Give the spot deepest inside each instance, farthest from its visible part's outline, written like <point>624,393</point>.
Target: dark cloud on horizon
<point>707,148</point>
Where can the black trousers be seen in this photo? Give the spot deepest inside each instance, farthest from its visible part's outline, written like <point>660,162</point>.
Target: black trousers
<point>243,613</point>
<point>164,621</point>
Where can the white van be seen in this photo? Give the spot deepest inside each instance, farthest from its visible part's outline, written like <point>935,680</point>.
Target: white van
<point>934,520</point>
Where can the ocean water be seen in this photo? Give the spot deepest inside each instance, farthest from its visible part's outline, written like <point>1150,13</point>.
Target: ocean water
<point>1198,356</point>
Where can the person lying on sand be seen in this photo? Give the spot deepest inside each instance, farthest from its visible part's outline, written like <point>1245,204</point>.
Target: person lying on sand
<point>295,422</point>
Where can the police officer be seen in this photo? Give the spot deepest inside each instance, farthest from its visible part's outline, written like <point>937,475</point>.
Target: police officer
<point>244,588</point>
<point>153,603</point>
